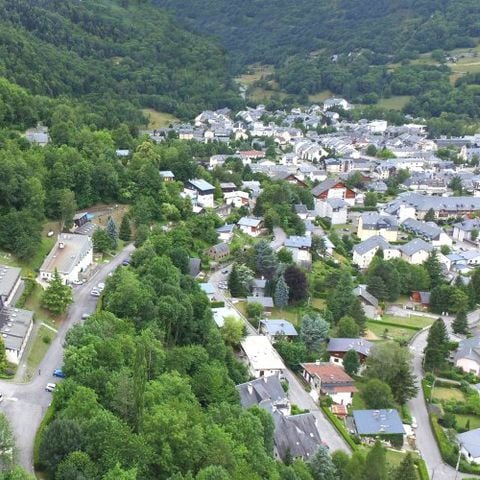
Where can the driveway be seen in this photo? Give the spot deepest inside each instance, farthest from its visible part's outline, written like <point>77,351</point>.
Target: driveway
<point>26,404</point>
<point>279,237</point>
<point>425,439</point>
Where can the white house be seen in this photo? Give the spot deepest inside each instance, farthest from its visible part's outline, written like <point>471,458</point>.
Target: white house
<point>10,282</point>
<point>201,192</point>
<point>467,356</point>
<point>329,379</point>
<point>364,252</point>
<point>429,231</point>
<point>336,209</point>
<point>71,255</point>
<point>300,248</point>
<point>463,230</point>
<point>416,251</point>
<point>470,445</point>
<point>262,358</point>
<point>336,102</point>
<point>237,198</point>
<point>251,226</point>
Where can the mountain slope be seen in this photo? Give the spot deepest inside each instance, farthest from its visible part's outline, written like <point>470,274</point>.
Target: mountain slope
<point>107,54</point>
<point>270,31</point>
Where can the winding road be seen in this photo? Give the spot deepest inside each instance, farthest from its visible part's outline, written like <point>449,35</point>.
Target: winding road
<point>25,404</point>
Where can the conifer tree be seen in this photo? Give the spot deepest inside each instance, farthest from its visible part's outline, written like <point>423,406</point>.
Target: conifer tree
<point>57,297</point>
<point>351,362</point>
<point>460,324</point>
<point>436,350</point>
<point>281,293</point>
<point>406,470</point>
<point>125,230</point>
<point>112,232</point>
<point>376,463</point>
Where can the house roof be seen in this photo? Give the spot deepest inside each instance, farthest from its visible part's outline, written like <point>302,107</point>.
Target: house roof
<point>221,248</point>
<point>414,246</point>
<point>361,291</point>
<point>228,228</point>
<point>14,326</point>
<point>9,276</point>
<point>227,185</point>
<point>201,185</point>
<point>375,221</point>
<point>360,345</point>
<point>260,353</point>
<point>194,266</point>
<point>167,174</point>
<point>469,348</point>
<point>428,230</point>
<point>377,241</point>
<point>301,208</point>
<point>297,435</point>
<point>262,391</point>
<point>470,441</point>
<point>208,288</point>
<point>266,302</point>
<point>69,249</point>
<point>328,373</point>
<point>378,422</point>
<point>296,241</point>
<point>337,202</point>
<point>259,283</point>
<point>468,225</point>
<point>279,327</point>
<point>249,222</point>
<point>325,186</point>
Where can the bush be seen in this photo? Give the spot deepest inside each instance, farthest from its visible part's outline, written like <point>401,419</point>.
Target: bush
<point>29,286</point>
<point>338,424</point>
<point>46,339</point>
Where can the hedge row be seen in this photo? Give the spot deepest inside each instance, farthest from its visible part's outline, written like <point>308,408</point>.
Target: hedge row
<point>422,469</point>
<point>392,324</point>
<point>49,415</point>
<point>340,427</point>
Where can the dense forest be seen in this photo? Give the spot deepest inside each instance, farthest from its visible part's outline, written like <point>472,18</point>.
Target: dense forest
<point>362,50</point>
<point>114,56</point>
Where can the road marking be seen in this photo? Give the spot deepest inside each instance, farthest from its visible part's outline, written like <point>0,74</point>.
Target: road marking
<point>12,399</point>
<point>49,327</point>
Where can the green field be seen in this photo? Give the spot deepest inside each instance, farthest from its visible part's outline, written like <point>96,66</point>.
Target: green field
<point>442,393</point>
<point>411,321</point>
<point>393,333</point>
<point>39,347</point>
<point>158,119</point>
<point>463,419</point>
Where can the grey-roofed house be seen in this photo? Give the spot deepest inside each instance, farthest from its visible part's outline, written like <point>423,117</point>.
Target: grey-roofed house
<point>265,392</point>
<point>258,286</point>
<point>167,175</point>
<point>463,230</point>
<point>71,255</point>
<point>371,224</point>
<point>265,302</point>
<point>378,186</point>
<point>251,225</point>
<point>467,356</point>
<point>429,231</point>
<point>372,423</point>
<point>300,248</point>
<point>296,436</point>
<point>368,301</point>
<point>416,251</point>
<point>338,347</point>
<point>364,252</point>
<point>200,191</point>
<point>194,267</point>
<point>15,327</point>
<point>333,188</point>
<point>225,232</point>
<point>277,328</point>
<point>219,251</point>
<point>38,136</point>
<point>10,283</point>
<point>470,445</point>
<point>208,289</point>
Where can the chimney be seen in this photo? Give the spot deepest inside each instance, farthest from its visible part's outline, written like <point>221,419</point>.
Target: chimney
<point>250,388</point>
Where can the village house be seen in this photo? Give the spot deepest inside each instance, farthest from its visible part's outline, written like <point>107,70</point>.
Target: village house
<point>258,286</point>
<point>331,380</point>
<point>462,231</point>
<point>219,251</point>
<point>71,255</point>
<point>277,328</point>
<point>236,198</point>
<point>470,445</point>
<point>209,290</point>
<point>335,209</point>
<point>422,298</point>
<point>261,357</point>
<point>38,136</point>
<point>300,248</point>
<point>201,192</point>
<point>167,175</point>
<point>333,188</point>
<point>15,327</point>
<point>467,356</point>
<point>416,251</point>
<point>10,284</point>
<point>371,224</point>
<point>265,302</point>
<point>225,232</point>
<point>368,301</point>
<point>429,231</point>
<point>336,103</point>
<point>378,423</point>
<point>364,252</point>
<point>251,226</point>
<point>338,347</point>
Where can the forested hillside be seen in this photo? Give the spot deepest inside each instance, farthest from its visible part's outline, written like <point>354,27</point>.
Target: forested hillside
<point>270,31</point>
<point>115,56</point>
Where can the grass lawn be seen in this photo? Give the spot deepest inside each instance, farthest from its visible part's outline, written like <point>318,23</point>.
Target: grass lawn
<point>319,303</point>
<point>39,347</point>
<point>396,102</point>
<point>411,321</point>
<point>255,73</point>
<point>291,314</point>
<point>393,333</point>
<point>395,457</point>
<point>158,119</point>
<point>442,393</point>
<point>320,97</point>
<point>462,421</point>
<point>34,303</point>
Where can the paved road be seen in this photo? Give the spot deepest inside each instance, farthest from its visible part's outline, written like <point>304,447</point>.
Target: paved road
<point>279,237</point>
<point>425,439</point>
<point>26,404</point>
<point>297,393</point>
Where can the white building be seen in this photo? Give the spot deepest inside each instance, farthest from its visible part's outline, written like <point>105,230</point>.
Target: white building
<point>467,356</point>
<point>201,192</point>
<point>71,255</point>
<point>251,226</point>
<point>262,358</point>
<point>10,282</point>
<point>336,209</point>
<point>371,224</point>
<point>364,252</point>
<point>416,251</point>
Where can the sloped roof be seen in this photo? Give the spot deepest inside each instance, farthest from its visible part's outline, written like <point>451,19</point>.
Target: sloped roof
<point>360,345</point>
<point>279,327</point>
<point>469,348</point>
<point>377,241</point>
<point>378,422</point>
<point>262,390</point>
<point>324,186</point>
<point>470,441</point>
<point>414,246</point>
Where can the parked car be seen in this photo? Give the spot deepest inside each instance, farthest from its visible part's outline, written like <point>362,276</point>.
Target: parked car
<point>85,316</point>
<point>95,293</point>
<point>50,387</point>
<point>225,272</point>
<point>414,422</point>
<point>58,373</point>
<point>126,262</point>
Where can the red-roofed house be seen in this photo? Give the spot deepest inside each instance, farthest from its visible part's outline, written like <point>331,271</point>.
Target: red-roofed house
<point>329,379</point>
<point>333,188</point>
